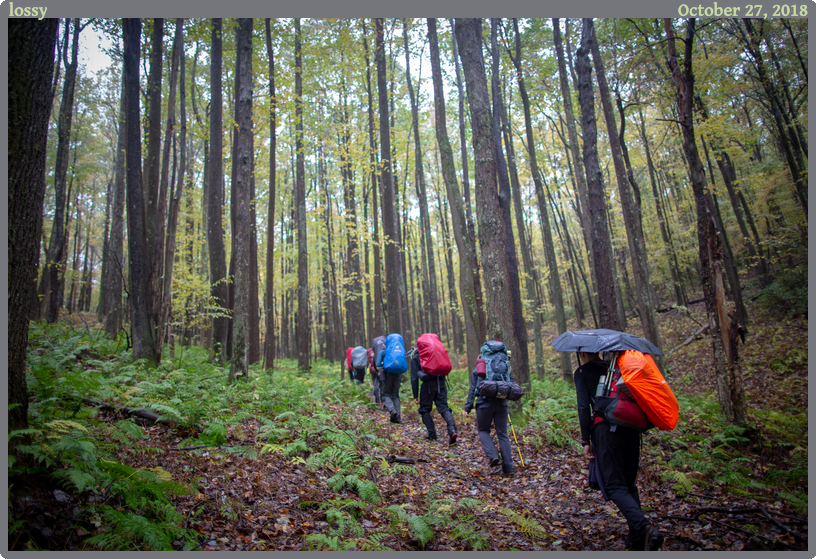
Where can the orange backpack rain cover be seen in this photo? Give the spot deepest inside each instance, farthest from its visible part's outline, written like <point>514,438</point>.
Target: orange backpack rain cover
<point>650,389</point>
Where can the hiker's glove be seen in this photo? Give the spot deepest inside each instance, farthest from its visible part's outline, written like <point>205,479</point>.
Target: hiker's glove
<point>467,409</point>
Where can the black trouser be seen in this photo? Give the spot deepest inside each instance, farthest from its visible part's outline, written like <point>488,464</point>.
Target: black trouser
<point>375,383</point>
<point>358,374</point>
<point>435,391</point>
<point>389,388</point>
<point>495,411</point>
<point>618,454</point>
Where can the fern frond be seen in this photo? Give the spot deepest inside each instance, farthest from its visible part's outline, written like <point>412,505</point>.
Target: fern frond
<point>528,526</point>
<point>684,481</point>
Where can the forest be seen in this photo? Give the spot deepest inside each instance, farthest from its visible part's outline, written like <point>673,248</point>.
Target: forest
<point>206,213</point>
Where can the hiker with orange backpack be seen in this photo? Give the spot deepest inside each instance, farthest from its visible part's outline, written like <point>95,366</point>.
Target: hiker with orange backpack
<point>617,401</point>
<point>613,449</point>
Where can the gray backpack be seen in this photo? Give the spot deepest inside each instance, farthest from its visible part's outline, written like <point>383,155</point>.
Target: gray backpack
<point>359,357</point>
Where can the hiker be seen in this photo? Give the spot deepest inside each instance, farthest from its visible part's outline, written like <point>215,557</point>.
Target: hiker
<point>434,390</point>
<point>375,382</point>
<point>347,363</point>
<point>615,450</point>
<point>377,374</point>
<point>489,410</point>
<point>359,361</point>
<point>392,361</point>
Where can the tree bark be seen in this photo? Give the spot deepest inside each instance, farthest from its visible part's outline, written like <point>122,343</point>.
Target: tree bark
<point>431,292</point>
<point>113,309</point>
<point>175,200</point>
<point>645,296</point>
<point>549,248</point>
<point>139,296</point>
<point>393,264</point>
<point>215,234</point>
<point>303,328</point>
<point>242,246</point>
<point>580,177</point>
<point>467,285</point>
<point>709,249</point>
<point>601,243</point>
<point>269,299</point>
<point>471,228</point>
<point>522,359</point>
<point>29,108</point>
<point>50,287</point>
<point>491,226</point>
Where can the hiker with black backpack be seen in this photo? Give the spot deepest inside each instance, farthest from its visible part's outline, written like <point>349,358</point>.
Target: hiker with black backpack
<point>430,365</point>
<point>613,451</point>
<point>393,363</point>
<point>492,366</point>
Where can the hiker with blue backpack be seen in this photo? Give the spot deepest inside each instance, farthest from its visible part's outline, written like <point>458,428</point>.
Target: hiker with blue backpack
<point>491,386</point>
<point>394,364</point>
<point>430,365</point>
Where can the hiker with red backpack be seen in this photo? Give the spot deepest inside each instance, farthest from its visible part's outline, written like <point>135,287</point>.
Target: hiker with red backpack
<point>430,365</point>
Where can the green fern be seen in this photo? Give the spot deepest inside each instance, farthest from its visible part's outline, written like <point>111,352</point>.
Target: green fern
<point>418,525</point>
<point>682,480</point>
<point>528,526</point>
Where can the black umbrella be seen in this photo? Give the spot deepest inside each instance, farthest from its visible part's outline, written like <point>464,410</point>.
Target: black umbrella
<point>601,339</point>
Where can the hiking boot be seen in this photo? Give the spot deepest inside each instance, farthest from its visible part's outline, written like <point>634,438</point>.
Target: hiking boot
<point>452,438</point>
<point>430,437</point>
<point>495,462</point>
<point>395,418</point>
<point>653,539</point>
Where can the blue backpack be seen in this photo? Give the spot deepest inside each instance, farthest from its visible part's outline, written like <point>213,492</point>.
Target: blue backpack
<point>394,361</point>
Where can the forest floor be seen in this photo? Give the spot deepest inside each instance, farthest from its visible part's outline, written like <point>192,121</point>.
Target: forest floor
<point>704,485</point>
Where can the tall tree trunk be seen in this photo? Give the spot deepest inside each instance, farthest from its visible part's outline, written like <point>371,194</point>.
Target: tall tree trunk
<point>522,359</point>
<point>729,382</point>
<point>242,245</point>
<point>215,234</point>
<point>646,299</point>
<point>378,328</point>
<point>481,325</point>
<point>113,281</point>
<point>674,267</point>
<point>431,293</point>
<point>155,202</point>
<point>354,300</point>
<point>467,285</point>
<point>491,225</point>
<point>29,108</point>
<point>175,200</point>
<point>601,243</point>
<point>139,295</point>
<point>269,299</point>
<point>549,248</point>
<point>580,177</point>
<point>159,245</point>
<point>393,264</point>
<point>303,328</point>
<point>531,276</point>
<point>50,287</point>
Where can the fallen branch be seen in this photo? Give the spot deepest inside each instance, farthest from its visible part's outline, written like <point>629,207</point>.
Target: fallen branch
<point>689,340</point>
<point>390,458</point>
<point>252,443</point>
<point>140,413</point>
<point>754,510</point>
<point>667,309</point>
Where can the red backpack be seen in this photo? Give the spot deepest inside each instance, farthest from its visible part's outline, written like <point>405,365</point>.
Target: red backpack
<point>433,357</point>
<point>348,358</point>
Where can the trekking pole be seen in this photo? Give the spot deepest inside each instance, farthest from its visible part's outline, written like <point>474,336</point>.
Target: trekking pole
<point>515,439</point>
